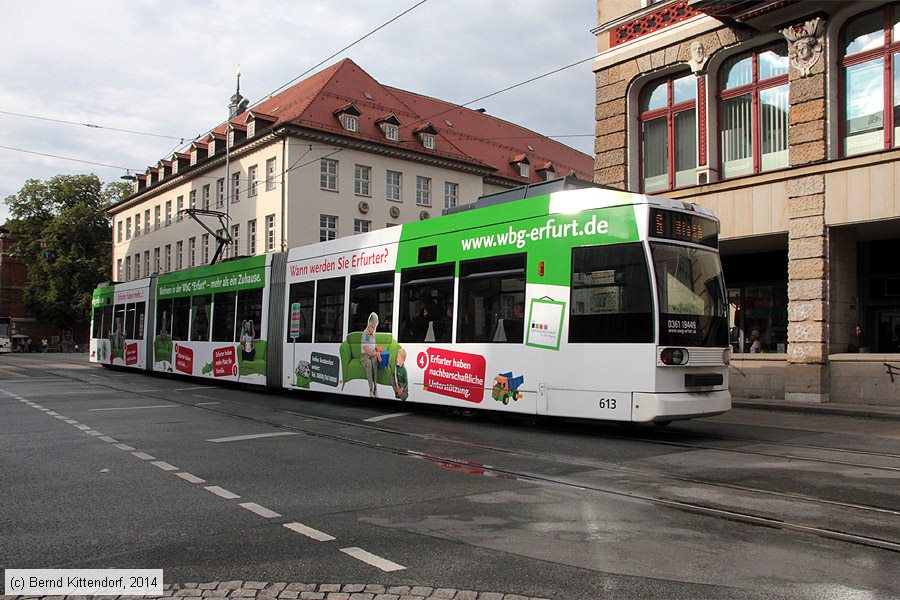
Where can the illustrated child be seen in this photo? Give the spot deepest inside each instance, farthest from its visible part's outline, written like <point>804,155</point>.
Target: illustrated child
<point>400,380</point>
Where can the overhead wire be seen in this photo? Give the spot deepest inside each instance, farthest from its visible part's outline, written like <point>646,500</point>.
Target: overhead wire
<point>92,125</point>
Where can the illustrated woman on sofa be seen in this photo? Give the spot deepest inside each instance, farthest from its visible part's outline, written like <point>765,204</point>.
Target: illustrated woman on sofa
<point>369,357</point>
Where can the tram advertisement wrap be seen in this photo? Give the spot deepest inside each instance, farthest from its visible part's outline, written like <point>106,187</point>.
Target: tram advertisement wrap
<point>184,359</point>
<point>224,362</point>
<point>454,374</point>
<point>131,354</point>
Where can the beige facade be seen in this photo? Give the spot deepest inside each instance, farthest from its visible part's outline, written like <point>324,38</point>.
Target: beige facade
<point>773,115</point>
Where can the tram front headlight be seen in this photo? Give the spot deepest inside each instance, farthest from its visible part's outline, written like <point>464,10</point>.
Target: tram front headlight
<point>674,356</point>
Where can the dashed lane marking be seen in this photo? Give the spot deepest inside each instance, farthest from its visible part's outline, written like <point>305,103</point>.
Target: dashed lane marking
<point>108,439</point>
<point>164,465</point>
<point>221,492</point>
<point>188,389</point>
<point>385,417</point>
<point>81,427</point>
<point>373,559</point>
<point>309,532</point>
<point>206,403</point>
<point>190,478</point>
<point>124,447</point>
<point>256,436</point>
<point>143,456</point>
<point>260,510</point>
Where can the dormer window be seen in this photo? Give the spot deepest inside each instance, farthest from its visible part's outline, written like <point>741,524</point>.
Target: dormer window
<point>194,156</point>
<point>211,148</point>
<point>390,126</point>
<point>546,171</point>
<point>349,117</point>
<point>428,141</point>
<point>251,129</point>
<point>521,164</point>
<point>230,137</point>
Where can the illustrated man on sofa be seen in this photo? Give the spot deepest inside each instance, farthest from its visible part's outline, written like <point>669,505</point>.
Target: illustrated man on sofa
<point>370,357</point>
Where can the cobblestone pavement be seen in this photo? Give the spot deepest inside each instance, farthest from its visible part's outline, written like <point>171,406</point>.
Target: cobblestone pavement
<point>304,591</point>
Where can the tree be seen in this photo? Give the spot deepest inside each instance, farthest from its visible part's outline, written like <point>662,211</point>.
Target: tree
<point>62,228</point>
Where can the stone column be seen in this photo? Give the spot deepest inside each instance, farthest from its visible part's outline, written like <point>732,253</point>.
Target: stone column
<point>610,144</point>
<point>806,377</point>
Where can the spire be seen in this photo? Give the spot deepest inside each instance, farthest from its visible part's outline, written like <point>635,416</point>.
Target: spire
<point>238,103</point>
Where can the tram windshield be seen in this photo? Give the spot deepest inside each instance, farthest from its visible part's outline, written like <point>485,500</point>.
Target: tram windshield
<point>691,291</point>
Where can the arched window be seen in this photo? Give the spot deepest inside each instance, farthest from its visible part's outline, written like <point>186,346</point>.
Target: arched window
<point>668,116</point>
<point>870,80</point>
<point>753,111</point>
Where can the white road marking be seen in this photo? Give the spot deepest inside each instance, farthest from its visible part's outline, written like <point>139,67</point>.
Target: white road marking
<point>384,417</point>
<point>190,478</point>
<point>260,510</point>
<point>143,456</point>
<point>372,559</point>
<point>71,421</point>
<point>309,532</point>
<point>221,492</point>
<point>82,427</point>
<point>124,447</point>
<point>62,417</point>
<point>202,396</point>
<point>164,465</point>
<point>52,414</point>
<point>188,389</point>
<point>137,407</point>
<point>206,403</point>
<point>256,436</point>
<point>92,432</point>
<point>108,439</point>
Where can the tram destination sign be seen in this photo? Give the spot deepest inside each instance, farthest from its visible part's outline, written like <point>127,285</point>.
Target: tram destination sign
<point>684,227</point>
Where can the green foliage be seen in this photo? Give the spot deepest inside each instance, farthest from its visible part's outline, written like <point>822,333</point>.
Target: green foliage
<point>62,229</point>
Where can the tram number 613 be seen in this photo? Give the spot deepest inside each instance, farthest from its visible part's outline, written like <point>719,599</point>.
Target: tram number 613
<point>608,403</point>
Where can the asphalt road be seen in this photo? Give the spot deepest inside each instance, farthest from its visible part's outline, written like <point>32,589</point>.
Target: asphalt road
<point>113,469</point>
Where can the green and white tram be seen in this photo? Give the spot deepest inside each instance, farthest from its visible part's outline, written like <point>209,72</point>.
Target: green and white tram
<point>589,303</point>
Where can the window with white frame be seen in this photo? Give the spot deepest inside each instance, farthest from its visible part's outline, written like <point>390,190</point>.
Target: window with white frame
<point>127,268</point>
<point>147,262</point>
<point>137,265</point>
<point>251,237</point>
<point>156,261</point>
<point>270,233</point>
<point>870,78</point>
<point>179,206</point>
<point>361,226</point>
<point>428,141</point>
<point>270,174</point>
<point>423,191</point>
<point>192,251</point>
<point>147,221</point>
<point>451,194</point>
<point>391,132</point>
<point>753,111</point>
<point>351,123</point>
<point>204,251</point>
<point>168,212</point>
<point>168,256</point>
<point>119,272</point>
<point>220,192</point>
<point>252,183</point>
<point>251,129</point>
<point>327,227</point>
<point>179,255</point>
<point>328,174</point>
<point>220,233</point>
<point>120,227</point>
<point>137,225</point>
<point>668,118</point>
<point>128,228</point>
<point>394,183</point>
<point>235,240</point>
<point>523,169</point>
<point>205,197</point>
<point>157,211</point>
<point>362,178</point>
<point>192,199</point>
<point>236,187</point>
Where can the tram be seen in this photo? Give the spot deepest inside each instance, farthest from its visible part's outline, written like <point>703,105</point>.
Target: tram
<point>589,303</point>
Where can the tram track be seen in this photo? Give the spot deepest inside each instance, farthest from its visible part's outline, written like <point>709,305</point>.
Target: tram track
<point>696,507</point>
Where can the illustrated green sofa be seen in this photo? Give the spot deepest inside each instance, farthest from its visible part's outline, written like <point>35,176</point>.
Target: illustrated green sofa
<point>162,348</point>
<point>351,348</point>
<point>257,365</point>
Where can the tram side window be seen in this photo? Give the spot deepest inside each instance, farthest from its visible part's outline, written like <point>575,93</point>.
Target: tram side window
<point>301,294</point>
<point>492,300</point>
<point>223,316</point>
<point>249,310</point>
<point>200,317</point>
<point>164,318</point>
<point>130,329</point>
<point>139,316</point>
<point>119,327</point>
<point>372,293</point>
<point>611,300</point>
<point>102,320</point>
<point>426,303</point>
<point>330,310</point>
<point>181,318</point>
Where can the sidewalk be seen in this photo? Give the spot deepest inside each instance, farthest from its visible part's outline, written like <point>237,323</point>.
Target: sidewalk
<point>866,411</point>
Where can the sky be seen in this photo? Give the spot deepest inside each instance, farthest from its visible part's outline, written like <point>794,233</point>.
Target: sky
<point>168,69</point>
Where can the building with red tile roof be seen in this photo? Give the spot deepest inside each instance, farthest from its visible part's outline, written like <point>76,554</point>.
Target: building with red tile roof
<point>335,154</point>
